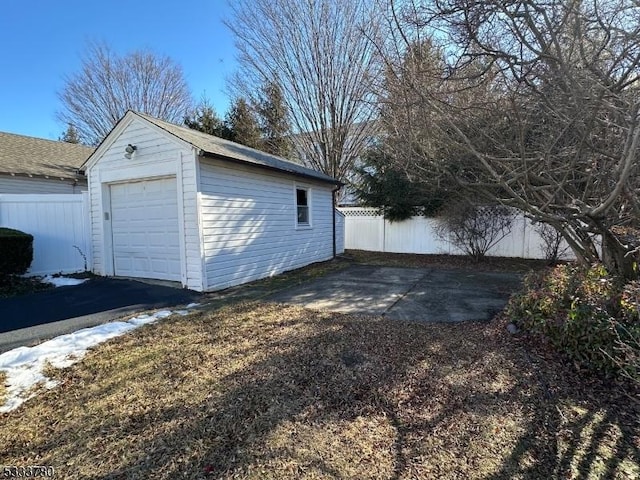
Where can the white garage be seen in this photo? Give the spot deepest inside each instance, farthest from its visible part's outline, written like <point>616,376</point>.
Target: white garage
<point>175,204</point>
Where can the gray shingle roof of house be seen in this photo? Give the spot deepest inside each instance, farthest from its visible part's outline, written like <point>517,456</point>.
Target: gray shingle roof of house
<point>218,147</point>
<point>22,155</point>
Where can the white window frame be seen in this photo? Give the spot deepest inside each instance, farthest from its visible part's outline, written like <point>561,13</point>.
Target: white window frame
<point>302,226</point>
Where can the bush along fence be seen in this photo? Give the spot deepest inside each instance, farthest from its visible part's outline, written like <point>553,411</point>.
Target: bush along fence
<point>366,230</point>
<point>16,251</point>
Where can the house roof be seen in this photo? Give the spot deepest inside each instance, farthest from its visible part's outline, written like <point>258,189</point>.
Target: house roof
<point>22,155</point>
<point>216,147</point>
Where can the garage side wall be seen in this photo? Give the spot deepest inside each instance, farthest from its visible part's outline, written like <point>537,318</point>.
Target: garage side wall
<point>158,155</point>
<point>249,229</point>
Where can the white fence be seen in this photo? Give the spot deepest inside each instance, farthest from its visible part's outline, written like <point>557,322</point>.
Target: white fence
<point>59,225</point>
<point>365,230</point>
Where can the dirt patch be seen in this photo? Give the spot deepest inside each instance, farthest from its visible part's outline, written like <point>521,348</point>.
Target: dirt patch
<point>258,390</point>
<point>496,264</point>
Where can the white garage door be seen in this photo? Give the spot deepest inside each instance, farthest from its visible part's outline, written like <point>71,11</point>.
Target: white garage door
<point>144,222</point>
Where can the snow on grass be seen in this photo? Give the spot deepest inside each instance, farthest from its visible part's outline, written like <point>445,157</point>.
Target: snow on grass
<point>63,281</point>
<point>24,366</point>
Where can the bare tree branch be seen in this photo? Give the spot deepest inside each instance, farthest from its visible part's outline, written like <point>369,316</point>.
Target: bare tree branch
<point>319,54</point>
<point>95,98</point>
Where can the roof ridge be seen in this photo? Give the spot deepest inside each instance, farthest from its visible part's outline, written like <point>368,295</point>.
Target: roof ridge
<point>193,131</point>
<point>213,146</point>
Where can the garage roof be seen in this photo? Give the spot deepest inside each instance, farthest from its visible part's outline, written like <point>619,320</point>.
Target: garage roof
<point>212,146</point>
<point>22,155</point>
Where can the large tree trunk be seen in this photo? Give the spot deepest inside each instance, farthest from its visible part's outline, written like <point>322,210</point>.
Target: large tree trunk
<point>617,258</point>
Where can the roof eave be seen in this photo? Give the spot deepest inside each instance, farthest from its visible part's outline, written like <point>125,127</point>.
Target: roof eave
<point>44,176</point>
<point>332,181</point>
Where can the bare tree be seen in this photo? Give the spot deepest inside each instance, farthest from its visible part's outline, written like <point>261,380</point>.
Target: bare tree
<point>318,52</point>
<point>540,97</point>
<point>107,85</point>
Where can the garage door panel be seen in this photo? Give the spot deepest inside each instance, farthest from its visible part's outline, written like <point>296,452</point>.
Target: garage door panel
<point>146,241</point>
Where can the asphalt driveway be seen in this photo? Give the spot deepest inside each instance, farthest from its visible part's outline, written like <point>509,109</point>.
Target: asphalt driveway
<point>416,294</point>
<point>29,318</point>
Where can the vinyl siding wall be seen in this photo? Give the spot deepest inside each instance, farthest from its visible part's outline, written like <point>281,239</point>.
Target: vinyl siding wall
<point>33,185</point>
<point>157,155</point>
<point>249,223</point>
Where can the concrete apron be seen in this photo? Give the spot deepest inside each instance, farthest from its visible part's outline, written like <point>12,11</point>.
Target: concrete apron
<point>425,295</point>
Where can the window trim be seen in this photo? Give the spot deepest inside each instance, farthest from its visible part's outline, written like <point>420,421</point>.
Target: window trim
<point>305,188</point>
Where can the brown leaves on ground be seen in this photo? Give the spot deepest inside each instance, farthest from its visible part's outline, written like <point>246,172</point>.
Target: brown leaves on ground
<point>3,387</point>
<point>270,391</point>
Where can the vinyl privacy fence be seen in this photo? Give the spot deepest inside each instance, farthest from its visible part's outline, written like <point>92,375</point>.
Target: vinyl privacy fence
<point>59,225</point>
<point>366,230</point>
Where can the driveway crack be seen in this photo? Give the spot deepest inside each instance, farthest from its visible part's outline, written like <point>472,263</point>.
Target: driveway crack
<point>401,297</point>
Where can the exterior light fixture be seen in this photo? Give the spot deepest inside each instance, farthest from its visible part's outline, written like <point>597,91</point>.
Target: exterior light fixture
<point>129,150</point>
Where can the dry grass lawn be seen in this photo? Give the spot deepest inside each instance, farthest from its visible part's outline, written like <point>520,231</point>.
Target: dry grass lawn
<point>258,390</point>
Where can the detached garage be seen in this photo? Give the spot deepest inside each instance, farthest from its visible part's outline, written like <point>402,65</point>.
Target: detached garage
<point>175,204</point>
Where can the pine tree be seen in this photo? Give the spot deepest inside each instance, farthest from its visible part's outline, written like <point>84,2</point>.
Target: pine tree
<point>242,124</point>
<point>274,122</point>
<point>70,135</point>
<point>205,119</point>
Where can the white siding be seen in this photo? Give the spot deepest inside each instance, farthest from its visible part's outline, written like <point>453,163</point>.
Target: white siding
<point>249,224</point>
<point>34,185</point>
<point>158,155</point>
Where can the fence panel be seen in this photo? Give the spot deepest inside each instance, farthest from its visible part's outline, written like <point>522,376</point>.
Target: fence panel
<point>365,230</point>
<point>59,225</point>
<point>339,232</point>
<point>414,236</point>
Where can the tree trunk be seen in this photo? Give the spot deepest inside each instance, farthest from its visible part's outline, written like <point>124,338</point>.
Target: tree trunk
<point>616,259</point>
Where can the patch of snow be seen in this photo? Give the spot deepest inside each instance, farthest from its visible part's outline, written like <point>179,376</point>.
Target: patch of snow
<point>193,305</point>
<point>24,365</point>
<point>63,281</point>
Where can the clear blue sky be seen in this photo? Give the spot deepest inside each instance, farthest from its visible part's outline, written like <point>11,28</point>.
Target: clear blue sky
<point>41,41</point>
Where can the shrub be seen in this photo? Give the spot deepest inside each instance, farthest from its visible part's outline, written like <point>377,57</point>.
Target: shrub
<point>551,242</point>
<point>586,313</point>
<point>474,229</point>
<point>16,251</point>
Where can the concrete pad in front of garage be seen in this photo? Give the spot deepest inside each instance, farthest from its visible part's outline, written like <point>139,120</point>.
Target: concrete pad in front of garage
<point>456,296</point>
<point>426,295</point>
<point>356,289</point>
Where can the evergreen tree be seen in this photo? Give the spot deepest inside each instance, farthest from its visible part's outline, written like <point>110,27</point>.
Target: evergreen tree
<point>274,122</point>
<point>70,135</point>
<point>242,124</point>
<point>387,187</point>
<point>205,119</point>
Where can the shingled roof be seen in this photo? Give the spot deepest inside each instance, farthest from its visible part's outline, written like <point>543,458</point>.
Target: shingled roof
<point>219,148</point>
<point>21,155</point>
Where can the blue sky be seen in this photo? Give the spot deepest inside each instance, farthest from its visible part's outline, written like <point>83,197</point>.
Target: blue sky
<point>41,41</point>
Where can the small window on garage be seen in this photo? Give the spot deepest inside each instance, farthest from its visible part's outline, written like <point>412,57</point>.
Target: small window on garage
<point>302,205</point>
